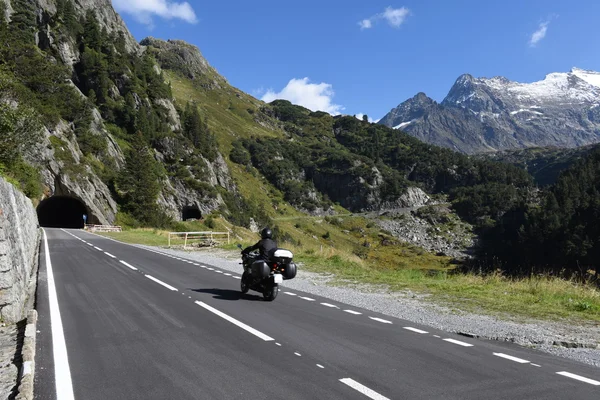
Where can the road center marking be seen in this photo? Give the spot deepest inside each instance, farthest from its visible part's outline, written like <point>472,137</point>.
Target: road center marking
<point>290,293</point>
<point>62,373</point>
<point>161,283</point>
<point>110,255</point>
<point>329,305</point>
<point>98,248</point>
<point>128,265</point>
<point>408,328</point>
<point>383,321</point>
<point>235,321</point>
<point>579,378</point>
<point>363,389</point>
<point>227,274</point>
<point>352,312</point>
<point>515,359</point>
<point>458,342</point>
<point>307,298</point>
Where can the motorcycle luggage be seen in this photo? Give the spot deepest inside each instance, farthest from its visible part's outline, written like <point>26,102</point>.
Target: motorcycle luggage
<point>290,271</point>
<point>282,256</point>
<point>260,269</point>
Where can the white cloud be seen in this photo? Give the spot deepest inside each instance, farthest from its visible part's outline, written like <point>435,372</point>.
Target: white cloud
<point>365,24</point>
<point>539,34</point>
<point>315,97</point>
<point>394,17</point>
<point>144,10</point>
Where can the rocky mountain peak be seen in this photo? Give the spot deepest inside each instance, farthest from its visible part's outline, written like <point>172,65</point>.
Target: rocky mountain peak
<point>483,114</point>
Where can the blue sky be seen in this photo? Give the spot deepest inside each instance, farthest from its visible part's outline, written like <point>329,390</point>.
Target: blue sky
<point>355,57</point>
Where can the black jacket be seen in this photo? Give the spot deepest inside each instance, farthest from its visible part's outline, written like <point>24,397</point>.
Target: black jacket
<point>266,246</point>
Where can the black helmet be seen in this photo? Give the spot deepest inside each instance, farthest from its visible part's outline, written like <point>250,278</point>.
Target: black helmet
<point>266,234</point>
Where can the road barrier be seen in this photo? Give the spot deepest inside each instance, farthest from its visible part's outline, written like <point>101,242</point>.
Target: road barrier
<point>103,228</point>
<point>199,236</point>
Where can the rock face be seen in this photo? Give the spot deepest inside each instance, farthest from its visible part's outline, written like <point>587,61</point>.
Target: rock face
<point>485,115</point>
<point>19,243</point>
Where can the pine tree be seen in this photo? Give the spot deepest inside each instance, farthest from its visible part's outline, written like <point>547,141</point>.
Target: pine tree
<point>138,182</point>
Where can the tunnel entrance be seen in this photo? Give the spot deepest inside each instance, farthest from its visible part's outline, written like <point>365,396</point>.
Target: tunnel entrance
<point>191,212</point>
<point>62,212</point>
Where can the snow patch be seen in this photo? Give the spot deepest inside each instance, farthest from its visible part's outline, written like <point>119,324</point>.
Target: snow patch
<point>591,77</point>
<point>402,125</point>
<point>526,110</point>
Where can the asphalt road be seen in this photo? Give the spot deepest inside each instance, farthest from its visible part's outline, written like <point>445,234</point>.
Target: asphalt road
<point>121,322</point>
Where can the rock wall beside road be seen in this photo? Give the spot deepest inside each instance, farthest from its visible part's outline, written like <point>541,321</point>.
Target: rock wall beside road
<point>19,245</point>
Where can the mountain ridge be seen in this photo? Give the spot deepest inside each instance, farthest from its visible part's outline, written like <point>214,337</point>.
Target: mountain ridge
<point>489,114</point>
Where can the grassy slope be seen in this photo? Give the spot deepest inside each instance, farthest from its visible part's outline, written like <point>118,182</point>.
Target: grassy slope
<point>337,245</point>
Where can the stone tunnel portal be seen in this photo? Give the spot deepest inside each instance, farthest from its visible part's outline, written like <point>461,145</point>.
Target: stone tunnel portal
<point>62,212</point>
<point>191,212</point>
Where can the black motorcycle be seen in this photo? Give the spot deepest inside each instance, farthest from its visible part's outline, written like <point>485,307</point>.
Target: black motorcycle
<point>264,276</point>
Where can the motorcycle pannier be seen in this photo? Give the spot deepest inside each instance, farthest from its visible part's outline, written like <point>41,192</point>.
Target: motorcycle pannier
<point>290,271</point>
<point>260,269</point>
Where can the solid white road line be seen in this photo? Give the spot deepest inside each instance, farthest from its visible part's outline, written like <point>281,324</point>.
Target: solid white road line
<point>458,342</point>
<point>110,255</point>
<point>579,378</point>
<point>352,312</point>
<point>363,389</point>
<point>62,373</point>
<point>384,321</point>
<point>329,305</point>
<point>515,359</point>
<point>307,298</point>
<point>290,293</point>
<point>235,321</point>
<point>408,328</point>
<point>128,265</point>
<point>161,283</point>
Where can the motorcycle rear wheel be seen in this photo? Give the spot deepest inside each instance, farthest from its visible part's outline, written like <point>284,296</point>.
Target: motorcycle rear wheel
<point>270,292</point>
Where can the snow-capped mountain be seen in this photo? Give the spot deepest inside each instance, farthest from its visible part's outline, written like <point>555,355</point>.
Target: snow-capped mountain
<point>481,114</point>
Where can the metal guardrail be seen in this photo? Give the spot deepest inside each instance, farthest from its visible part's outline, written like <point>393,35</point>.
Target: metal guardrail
<point>102,228</point>
<point>201,236</point>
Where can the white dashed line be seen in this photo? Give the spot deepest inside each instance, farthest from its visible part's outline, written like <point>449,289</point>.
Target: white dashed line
<point>320,366</point>
<point>298,354</point>
<point>307,298</point>
<point>290,293</point>
<point>383,321</point>
<point>219,272</point>
<point>408,328</point>
<point>579,378</point>
<point>211,269</point>
<point>98,248</point>
<point>89,244</point>
<point>128,265</point>
<point>227,274</point>
<point>437,336</point>
<point>197,265</point>
<point>352,312</point>
<point>458,342</point>
<point>235,322</point>
<point>161,283</point>
<point>237,277</point>
<point>110,255</point>
<point>203,266</point>
<point>363,389</point>
<point>536,365</point>
<point>278,344</point>
<point>515,359</point>
<point>329,305</point>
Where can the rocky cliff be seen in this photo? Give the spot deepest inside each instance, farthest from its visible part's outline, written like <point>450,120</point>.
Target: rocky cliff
<point>485,115</point>
<point>19,244</point>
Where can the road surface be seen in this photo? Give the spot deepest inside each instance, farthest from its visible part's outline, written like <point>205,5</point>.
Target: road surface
<point>120,322</point>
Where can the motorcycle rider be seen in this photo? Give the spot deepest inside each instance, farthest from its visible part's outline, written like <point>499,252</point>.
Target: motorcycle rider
<point>266,245</point>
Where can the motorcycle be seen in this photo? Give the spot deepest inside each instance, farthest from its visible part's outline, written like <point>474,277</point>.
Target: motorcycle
<point>264,276</point>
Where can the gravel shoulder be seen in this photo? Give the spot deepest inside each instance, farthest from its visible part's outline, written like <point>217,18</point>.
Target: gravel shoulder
<point>581,343</point>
